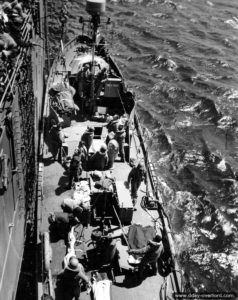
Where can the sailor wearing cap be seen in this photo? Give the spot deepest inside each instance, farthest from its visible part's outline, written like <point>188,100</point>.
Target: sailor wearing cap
<point>72,276</point>
<point>151,253</point>
<point>99,160</point>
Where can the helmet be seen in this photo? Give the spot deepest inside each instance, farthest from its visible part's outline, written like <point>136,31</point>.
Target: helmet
<point>73,263</point>
<point>157,238</point>
<point>103,148</point>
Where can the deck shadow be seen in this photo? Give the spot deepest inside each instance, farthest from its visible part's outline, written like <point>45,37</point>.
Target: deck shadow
<point>48,161</point>
<point>62,184</point>
<point>132,280</point>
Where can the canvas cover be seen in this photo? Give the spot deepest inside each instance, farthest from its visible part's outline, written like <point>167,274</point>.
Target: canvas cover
<point>138,236</point>
<point>62,98</point>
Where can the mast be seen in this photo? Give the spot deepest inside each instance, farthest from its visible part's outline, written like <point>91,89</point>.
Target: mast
<point>95,8</point>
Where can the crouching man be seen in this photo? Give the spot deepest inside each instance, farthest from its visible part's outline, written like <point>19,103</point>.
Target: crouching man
<point>151,253</point>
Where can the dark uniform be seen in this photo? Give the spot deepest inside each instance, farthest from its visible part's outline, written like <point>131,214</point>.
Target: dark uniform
<point>135,178</point>
<point>57,139</point>
<point>99,160</point>
<point>87,137</point>
<point>71,279</point>
<point>151,253</point>
<point>75,168</point>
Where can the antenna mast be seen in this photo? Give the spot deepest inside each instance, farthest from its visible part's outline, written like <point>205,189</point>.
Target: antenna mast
<point>95,8</point>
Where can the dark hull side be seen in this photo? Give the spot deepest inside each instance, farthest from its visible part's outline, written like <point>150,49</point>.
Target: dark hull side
<point>21,105</point>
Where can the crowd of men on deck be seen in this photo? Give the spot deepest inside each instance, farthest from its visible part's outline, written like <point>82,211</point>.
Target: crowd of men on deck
<point>101,160</point>
<point>83,160</point>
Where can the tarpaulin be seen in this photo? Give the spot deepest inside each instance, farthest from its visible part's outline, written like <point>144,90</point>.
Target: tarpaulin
<point>138,236</point>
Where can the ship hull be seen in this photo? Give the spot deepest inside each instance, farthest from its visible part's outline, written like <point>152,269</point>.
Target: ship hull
<point>112,97</point>
<point>21,108</point>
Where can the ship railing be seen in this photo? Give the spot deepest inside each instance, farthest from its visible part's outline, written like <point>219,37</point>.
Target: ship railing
<point>158,194</point>
<point>9,78</point>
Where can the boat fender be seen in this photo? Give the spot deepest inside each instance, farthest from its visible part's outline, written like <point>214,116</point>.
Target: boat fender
<point>47,251</point>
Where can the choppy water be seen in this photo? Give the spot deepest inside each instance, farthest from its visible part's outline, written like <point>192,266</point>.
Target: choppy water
<point>180,57</point>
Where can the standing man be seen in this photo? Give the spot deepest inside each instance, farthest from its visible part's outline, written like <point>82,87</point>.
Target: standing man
<point>75,168</point>
<point>57,139</point>
<point>72,277</point>
<point>135,178</point>
<point>84,152</point>
<point>99,160</point>
<point>120,137</point>
<point>113,149</point>
<point>87,137</point>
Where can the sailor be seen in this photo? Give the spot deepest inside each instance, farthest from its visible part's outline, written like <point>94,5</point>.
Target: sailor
<point>101,48</point>
<point>120,137</point>
<point>83,214</point>
<point>83,150</point>
<point>113,149</point>
<point>57,139</point>
<point>71,278</point>
<point>61,222</point>
<point>100,79</point>
<point>135,178</point>
<point>87,137</point>
<point>75,168</point>
<point>99,160</point>
<point>151,253</point>
<point>113,124</point>
<point>82,78</point>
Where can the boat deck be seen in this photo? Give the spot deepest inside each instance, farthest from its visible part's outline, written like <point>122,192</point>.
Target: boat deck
<point>54,192</point>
